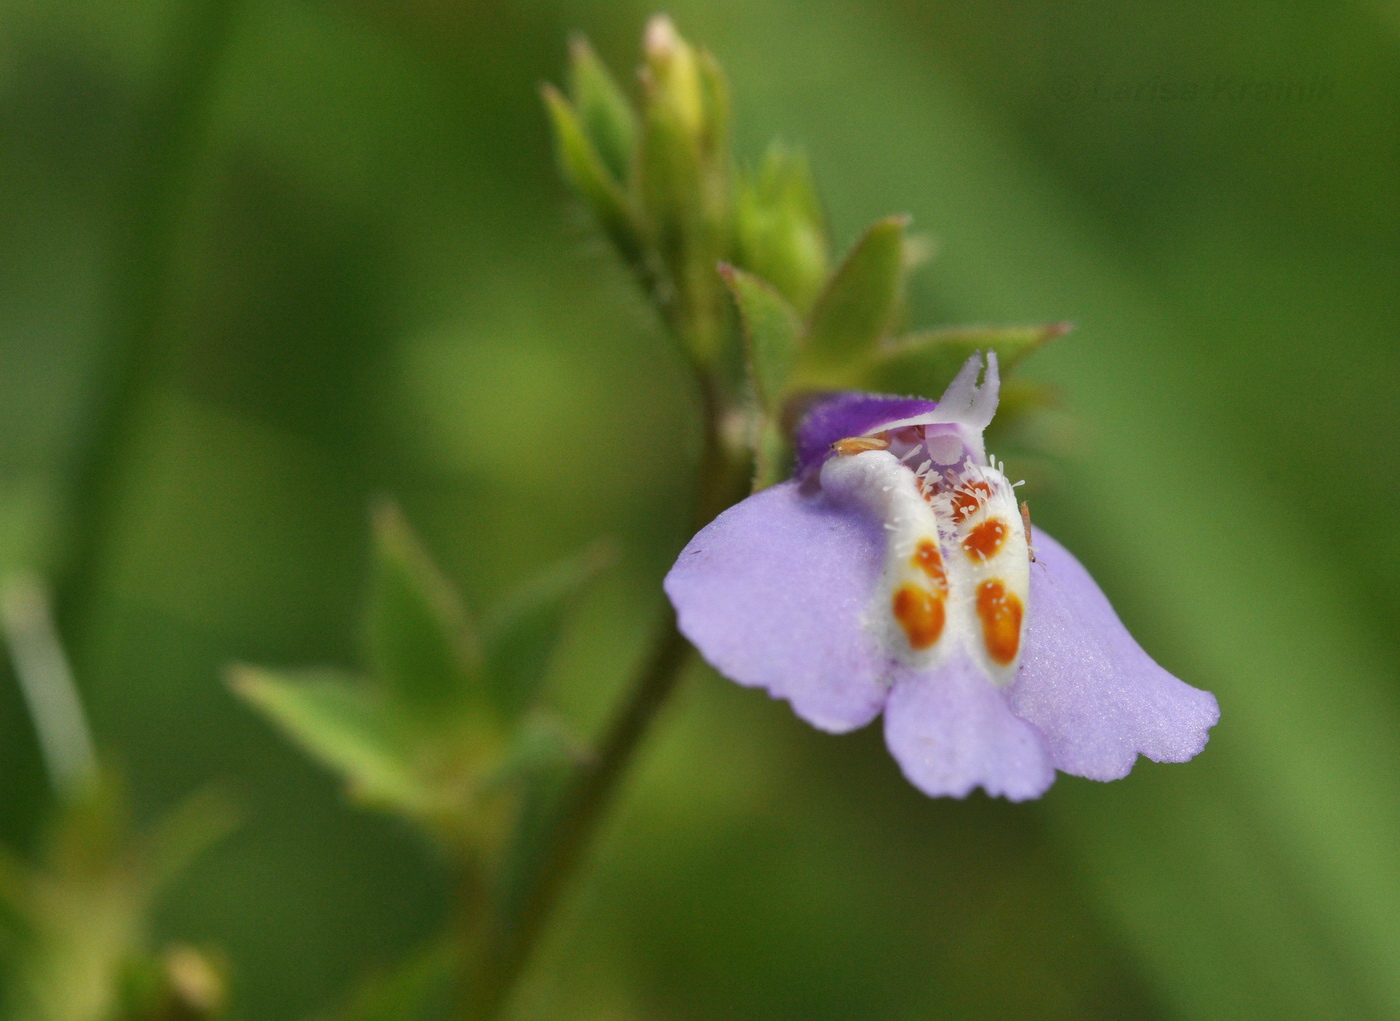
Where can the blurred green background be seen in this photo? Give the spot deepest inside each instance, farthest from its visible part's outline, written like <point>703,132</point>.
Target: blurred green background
<point>379,284</point>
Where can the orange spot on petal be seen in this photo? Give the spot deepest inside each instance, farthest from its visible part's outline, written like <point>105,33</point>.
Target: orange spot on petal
<point>1001,612</point>
<point>928,559</point>
<point>968,500</point>
<point>920,614</point>
<point>985,541</point>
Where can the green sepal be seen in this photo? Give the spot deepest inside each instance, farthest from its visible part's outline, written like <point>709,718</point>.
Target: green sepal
<point>925,363</point>
<point>346,725</point>
<point>520,637</point>
<point>772,332</point>
<point>860,301</point>
<point>772,452</point>
<point>587,173</point>
<point>604,114</point>
<point>422,652</point>
<point>780,229</point>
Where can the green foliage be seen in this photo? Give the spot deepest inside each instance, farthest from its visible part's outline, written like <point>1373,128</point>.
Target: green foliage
<point>659,184</point>
<point>922,363</point>
<point>521,635</point>
<point>421,646</point>
<point>605,115</point>
<point>583,167</point>
<point>422,649</point>
<point>416,989</point>
<point>772,333</point>
<point>350,727</point>
<point>78,917</point>
<point>438,731</point>
<point>780,229</point>
<point>857,307</point>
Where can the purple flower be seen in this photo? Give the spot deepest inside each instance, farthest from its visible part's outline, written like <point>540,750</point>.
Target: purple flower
<point>895,573</point>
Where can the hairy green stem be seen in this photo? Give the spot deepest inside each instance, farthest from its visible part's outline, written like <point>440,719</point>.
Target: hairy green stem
<point>170,137</point>
<point>510,941</point>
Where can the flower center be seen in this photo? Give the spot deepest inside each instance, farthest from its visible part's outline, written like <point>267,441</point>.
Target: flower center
<point>957,566</point>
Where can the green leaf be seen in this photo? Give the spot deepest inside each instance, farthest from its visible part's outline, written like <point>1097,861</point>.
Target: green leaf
<point>780,229</point>
<point>415,989</point>
<point>343,724</point>
<point>421,649</point>
<point>771,334</point>
<point>772,452</point>
<point>604,113</point>
<point>860,302</point>
<point>522,634</point>
<point>196,824</point>
<point>583,167</point>
<point>924,363</point>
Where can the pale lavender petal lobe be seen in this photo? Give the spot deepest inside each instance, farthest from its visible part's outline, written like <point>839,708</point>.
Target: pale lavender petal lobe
<point>951,730</point>
<point>772,593</point>
<point>1089,687</point>
<point>848,413</point>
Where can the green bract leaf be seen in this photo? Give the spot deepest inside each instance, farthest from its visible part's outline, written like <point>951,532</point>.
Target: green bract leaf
<point>860,302</point>
<point>345,725</point>
<point>421,649</point>
<point>771,334</point>
<point>583,167</point>
<point>604,113</point>
<point>924,363</point>
<point>522,634</point>
<point>780,228</point>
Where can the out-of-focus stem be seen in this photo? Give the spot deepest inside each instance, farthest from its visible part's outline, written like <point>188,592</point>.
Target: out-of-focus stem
<point>46,682</point>
<point>509,942</point>
<point>170,137</point>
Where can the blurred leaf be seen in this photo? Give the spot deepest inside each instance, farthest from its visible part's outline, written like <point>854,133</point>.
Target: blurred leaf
<point>780,229</point>
<point>521,636</point>
<point>343,724</point>
<point>604,114</point>
<point>196,824</point>
<point>542,746</point>
<point>545,762</point>
<point>771,334</point>
<point>586,172</point>
<point>421,648</point>
<point>859,304</point>
<point>84,907</point>
<point>772,452</point>
<point>414,990</point>
<point>714,88</point>
<point>925,362</point>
